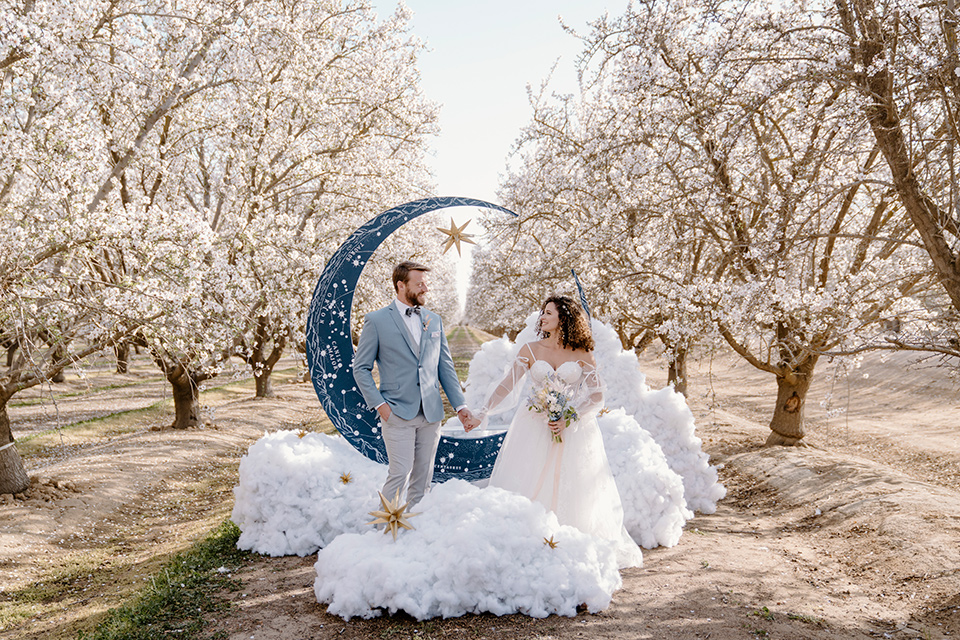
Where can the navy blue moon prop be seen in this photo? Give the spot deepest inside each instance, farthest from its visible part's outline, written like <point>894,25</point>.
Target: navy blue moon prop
<point>330,349</point>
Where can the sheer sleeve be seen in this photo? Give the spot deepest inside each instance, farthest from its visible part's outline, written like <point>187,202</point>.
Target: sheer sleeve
<point>588,399</point>
<point>505,395</point>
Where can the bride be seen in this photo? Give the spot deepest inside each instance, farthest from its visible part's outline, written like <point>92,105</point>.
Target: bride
<point>557,457</point>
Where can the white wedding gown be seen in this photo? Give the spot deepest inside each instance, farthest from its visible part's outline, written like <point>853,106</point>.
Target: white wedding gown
<point>572,478</point>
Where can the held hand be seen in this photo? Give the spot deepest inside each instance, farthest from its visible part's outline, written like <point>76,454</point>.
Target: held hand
<point>466,419</point>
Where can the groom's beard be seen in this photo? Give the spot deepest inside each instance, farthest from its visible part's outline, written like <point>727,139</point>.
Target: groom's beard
<point>415,300</point>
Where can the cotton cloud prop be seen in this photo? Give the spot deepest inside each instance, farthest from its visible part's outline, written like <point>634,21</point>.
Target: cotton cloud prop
<point>292,498</point>
<point>473,550</point>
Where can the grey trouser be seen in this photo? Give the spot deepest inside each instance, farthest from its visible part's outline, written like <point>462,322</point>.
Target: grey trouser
<point>411,449</point>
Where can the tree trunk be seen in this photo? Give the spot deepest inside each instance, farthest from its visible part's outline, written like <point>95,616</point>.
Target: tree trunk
<point>677,367</point>
<point>264,388</point>
<point>13,476</point>
<point>263,364</point>
<point>11,346</point>
<point>58,376</point>
<point>122,350</point>
<point>186,399</point>
<point>677,371</point>
<point>786,426</point>
<point>264,367</point>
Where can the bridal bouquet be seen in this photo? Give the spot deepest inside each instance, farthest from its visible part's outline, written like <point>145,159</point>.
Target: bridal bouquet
<point>553,397</point>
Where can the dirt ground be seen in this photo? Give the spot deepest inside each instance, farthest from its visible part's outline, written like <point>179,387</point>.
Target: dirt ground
<point>854,536</point>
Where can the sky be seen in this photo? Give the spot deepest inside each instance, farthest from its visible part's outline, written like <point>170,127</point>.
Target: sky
<point>479,60</point>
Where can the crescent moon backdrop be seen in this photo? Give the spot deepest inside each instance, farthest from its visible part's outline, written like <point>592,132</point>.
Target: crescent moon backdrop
<point>330,349</point>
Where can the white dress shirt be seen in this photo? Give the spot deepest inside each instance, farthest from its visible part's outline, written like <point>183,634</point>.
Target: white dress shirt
<point>413,322</point>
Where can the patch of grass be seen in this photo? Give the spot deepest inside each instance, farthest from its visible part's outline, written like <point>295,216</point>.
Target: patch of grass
<point>480,336</point>
<point>420,631</point>
<point>805,618</point>
<point>180,594</point>
<point>65,584</point>
<point>765,613</point>
<point>116,423</point>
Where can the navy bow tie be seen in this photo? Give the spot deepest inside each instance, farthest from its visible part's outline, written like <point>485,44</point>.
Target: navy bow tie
<point>415,310</point>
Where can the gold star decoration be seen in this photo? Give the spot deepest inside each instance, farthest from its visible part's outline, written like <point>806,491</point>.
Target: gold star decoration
<point>456,236</point>
<point>346,478</point>
<point>301,433</point>
<point>392,515</point>
<point>550,542</point>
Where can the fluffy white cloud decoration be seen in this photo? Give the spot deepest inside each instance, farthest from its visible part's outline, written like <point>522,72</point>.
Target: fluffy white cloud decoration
<point>654,510</point>
<point>663,413</point>
<point>472,550</point>
<point>292,498</point>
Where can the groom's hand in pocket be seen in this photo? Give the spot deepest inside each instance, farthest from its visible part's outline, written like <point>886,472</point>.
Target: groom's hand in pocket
<point>384,412</point>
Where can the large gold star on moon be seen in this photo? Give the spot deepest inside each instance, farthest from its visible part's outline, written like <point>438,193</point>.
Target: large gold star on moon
<point>456,236</point>
<point>392,515</point>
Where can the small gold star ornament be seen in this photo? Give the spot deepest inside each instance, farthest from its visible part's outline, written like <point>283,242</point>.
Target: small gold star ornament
<point>456,236</point>
<point>550,542</point>
<point>301,433</point>
<point>392,515</point>
<point>346,478</point>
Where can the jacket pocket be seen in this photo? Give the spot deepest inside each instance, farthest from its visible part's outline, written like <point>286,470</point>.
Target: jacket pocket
<point>389,386</point>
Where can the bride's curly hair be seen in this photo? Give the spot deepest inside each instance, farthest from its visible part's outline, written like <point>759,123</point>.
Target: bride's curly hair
<point>572,324</point>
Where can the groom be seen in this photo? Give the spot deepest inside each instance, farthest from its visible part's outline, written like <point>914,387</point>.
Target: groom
<point>410,348</point>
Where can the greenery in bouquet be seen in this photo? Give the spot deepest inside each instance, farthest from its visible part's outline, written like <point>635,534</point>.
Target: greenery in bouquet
<point>554,398</point>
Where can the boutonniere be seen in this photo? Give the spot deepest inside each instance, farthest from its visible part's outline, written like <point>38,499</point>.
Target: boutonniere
<point>426,324</point>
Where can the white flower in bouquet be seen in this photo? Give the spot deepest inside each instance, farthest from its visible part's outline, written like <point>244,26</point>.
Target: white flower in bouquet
<point>553,397</point>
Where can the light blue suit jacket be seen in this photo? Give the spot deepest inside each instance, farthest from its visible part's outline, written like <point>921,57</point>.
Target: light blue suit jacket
<point>409,377</point>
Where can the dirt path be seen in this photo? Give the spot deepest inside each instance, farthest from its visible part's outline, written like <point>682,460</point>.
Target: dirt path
<point>855,537</point>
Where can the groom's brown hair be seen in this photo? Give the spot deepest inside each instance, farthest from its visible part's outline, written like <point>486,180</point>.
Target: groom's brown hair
<point>401,273</point>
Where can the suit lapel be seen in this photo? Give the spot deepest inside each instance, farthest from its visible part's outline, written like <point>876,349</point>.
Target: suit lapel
<point>402,328</point>
<point>425,319</point>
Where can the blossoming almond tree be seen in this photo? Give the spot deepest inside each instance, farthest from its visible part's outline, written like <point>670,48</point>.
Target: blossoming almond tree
<point>761,192</point>
<point>129,137</point>
<point>84,266</point>
<point>324,128</point>
<point>902,60</point>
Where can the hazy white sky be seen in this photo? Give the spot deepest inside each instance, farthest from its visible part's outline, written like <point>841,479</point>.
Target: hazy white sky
<point>481,57</point>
